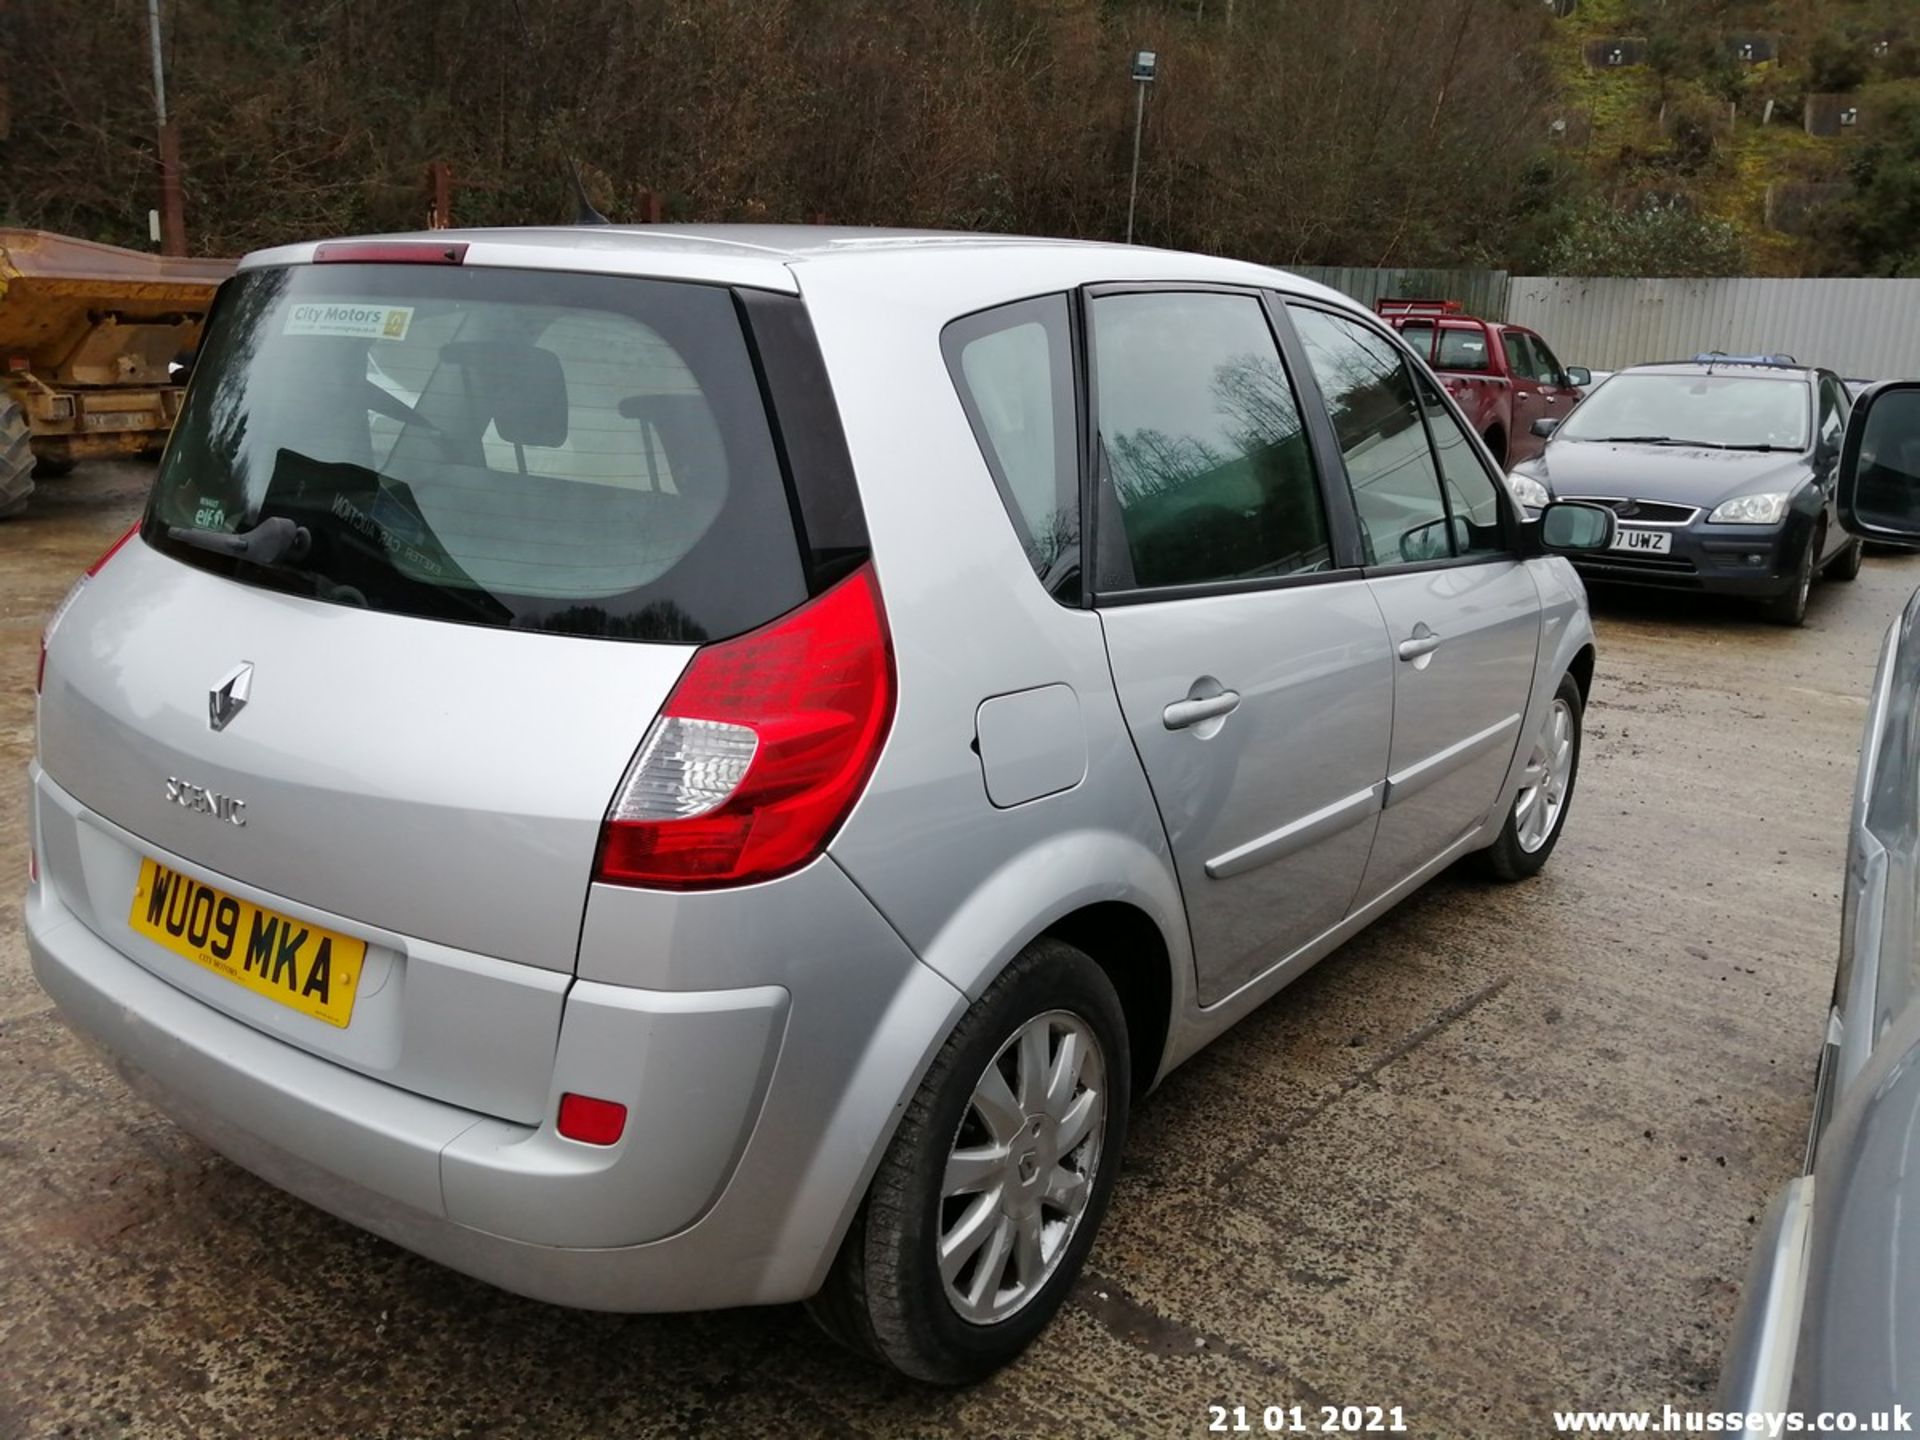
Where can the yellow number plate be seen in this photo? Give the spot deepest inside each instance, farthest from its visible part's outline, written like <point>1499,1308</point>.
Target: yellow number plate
<point>312,970</point>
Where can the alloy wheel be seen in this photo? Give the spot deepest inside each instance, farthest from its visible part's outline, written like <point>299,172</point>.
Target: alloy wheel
<point>1546,780</point>
<point>1021,1167</point>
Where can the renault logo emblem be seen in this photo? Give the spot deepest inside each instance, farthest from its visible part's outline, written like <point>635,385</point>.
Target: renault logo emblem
<point>229,697</point>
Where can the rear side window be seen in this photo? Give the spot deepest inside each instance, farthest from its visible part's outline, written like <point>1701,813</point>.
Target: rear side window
<point>1390,467</point>
<point>1013,367</point>
<point>1206,458</point>
<point>1462,349</point>
<point>1419,338</point>
<point>581,454</point>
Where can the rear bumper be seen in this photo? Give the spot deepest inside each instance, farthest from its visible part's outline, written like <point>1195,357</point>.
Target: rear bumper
<point>1753,561</point>
<point>732,1184</point>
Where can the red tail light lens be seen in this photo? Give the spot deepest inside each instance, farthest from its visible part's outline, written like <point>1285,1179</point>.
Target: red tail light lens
<point>66,603</point>
<point>760,751</point>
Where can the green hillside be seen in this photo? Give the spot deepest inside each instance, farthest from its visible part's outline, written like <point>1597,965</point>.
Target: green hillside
<point>1685,123</point>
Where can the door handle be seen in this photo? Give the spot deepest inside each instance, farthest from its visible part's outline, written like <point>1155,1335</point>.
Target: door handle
<point>1417,645</point>
<point>1182,713</point>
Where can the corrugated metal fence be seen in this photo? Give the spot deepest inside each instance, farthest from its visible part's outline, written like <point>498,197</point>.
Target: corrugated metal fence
<point>1864,328</point>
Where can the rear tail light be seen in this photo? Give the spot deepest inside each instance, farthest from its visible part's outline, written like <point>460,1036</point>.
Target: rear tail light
<point>760,751</point>
<point>66,604</point>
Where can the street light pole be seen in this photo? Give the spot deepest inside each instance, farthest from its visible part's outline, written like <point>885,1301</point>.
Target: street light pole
<point>173,221</point>
<point>1144,62</point>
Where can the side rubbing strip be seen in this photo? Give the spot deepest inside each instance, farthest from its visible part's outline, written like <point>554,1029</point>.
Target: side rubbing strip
<point>1308,830</point>
<point>1416,778</point>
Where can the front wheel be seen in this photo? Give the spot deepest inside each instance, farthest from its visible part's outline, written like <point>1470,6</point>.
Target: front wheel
<point>988,1197</point>
<point>1790,607</point>
<point>1846,565</point>
<point>1546,791</point>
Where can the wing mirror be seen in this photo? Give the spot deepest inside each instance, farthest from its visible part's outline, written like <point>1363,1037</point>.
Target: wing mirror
<point>1545,426</point>
<point>1879,491</point>
<point>1580,376</point>
<point>1570,527</point>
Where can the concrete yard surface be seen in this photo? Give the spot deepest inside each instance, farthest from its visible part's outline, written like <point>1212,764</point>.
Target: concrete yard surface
<point>1502,1154</point>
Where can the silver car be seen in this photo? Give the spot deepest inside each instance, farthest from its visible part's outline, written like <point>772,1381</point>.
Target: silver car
<point>668,769</point>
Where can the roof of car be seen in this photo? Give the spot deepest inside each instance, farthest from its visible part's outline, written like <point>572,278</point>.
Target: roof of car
<point>771,256</point>
<point>1758,370</point>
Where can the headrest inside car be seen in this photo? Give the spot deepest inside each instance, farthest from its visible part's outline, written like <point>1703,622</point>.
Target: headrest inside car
<point>520,387</point>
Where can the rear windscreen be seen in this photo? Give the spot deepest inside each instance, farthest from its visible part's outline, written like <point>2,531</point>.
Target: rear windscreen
<point>581,454</point>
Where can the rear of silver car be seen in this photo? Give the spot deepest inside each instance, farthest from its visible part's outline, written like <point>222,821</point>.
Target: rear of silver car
<point>457,582</point>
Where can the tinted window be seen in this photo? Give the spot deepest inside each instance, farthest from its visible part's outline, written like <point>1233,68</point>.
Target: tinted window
<point>1014,370</point>
<point>1208,464</point>
<point>538,451</point>
<point>1462,349</point>
<point>1396,489</point>
<point>1473,497</point>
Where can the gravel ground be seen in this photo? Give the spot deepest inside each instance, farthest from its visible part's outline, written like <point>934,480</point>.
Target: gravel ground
<point>1503,1153</point>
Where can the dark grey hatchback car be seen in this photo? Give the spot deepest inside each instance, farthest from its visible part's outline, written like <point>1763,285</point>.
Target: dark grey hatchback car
<point>1721,472</point>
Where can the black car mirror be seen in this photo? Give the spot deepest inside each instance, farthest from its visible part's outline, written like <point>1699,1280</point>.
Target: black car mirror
<point>180,367</point>
<point>1545,426</point>
<point>1879,490</point>
<point>1568,526</point>
<point>1579,375</point>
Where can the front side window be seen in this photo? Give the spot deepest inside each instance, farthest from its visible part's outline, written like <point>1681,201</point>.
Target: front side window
<point>1390,467</point>
<point>1833,411</point>
<point>1550,371</point>
<point>1520,363</point>
<point>1472,495</point>
<point>1206,457</point>
<point>579,454</point>
<point>1013,367</point>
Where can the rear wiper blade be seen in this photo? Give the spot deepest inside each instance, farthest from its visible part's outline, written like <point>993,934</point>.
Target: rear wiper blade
<point>268,543</point>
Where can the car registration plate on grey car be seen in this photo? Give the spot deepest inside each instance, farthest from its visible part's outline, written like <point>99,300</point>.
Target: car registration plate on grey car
<point>1646,542</point>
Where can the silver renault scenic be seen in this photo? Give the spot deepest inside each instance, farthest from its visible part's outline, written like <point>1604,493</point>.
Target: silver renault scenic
<point>669,768</point>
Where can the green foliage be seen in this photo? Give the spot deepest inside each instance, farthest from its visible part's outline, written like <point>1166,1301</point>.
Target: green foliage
<point>1880,222</point>
<point>1649,240</point>
<point>1838,62</point>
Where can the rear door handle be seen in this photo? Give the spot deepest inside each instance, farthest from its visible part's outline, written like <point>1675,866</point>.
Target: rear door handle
<point>1416,646</point>
<point>1182,713</point>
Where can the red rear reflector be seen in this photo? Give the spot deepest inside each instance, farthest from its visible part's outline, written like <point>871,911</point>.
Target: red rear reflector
<point>391,252</point>
<point>591,1121</point>
<point>760,751</point>
<point>40,675</point>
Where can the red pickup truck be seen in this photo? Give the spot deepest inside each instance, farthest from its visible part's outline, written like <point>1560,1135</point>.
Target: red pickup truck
<point>1503,376</point>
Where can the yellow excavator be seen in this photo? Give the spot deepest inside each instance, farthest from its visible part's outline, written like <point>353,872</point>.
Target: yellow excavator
<point>88,333</point>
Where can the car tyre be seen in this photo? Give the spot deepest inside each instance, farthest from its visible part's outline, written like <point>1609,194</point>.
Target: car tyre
<point>1790,607</point>
<point>16,459</point>
<point>940,1184</point>
<point>1846,565</point>
<point>1539,810</point>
